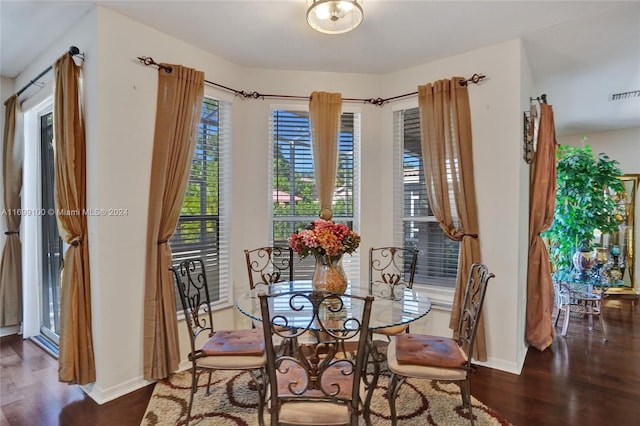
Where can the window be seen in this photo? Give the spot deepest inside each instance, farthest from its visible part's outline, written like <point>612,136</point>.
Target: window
<point>294,201</point>
<point>203,227</point>
<point>417,227</point>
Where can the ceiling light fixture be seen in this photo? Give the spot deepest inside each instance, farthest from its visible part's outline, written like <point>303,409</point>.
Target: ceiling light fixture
<point>334,16</point>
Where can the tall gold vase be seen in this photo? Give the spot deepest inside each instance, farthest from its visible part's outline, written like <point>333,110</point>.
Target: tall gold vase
<point>329,274</point>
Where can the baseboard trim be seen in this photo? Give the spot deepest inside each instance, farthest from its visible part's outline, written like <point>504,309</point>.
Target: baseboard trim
<point>101,396</point>
<point>9,330</point>
<point>500,364</point>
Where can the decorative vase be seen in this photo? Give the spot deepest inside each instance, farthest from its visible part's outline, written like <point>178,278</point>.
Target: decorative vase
<point>584,259</point>
<point>329,274</point>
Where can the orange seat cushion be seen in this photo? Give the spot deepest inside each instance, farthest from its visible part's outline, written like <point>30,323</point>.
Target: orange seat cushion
<point>235,342</point>
<point>430,351</point>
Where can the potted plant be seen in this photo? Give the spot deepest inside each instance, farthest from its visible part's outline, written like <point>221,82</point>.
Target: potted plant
<point>584,202</point>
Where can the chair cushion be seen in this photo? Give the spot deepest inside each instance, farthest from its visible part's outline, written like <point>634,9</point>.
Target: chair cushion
<point>420,371</point>
<point>235,342</point>
<point>393,330</point>
<point>232,362</point>
<point>292,378</point>
<point>314,413</point>
<point>435,351</point>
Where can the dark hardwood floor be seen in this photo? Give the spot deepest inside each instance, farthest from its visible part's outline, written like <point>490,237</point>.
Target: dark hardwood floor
<point>30,394</point>
<point>580,380</point>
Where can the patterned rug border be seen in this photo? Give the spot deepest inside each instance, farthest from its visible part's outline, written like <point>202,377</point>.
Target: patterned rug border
<point>420,402</point>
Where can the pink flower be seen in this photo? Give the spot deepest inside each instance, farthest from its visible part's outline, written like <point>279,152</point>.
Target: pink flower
<point>324,237</point>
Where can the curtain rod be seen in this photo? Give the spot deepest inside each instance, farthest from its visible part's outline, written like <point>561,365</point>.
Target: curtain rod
<point>73,51</point>
<point>147,61</point>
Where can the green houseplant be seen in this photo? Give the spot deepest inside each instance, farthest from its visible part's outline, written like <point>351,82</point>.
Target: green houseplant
<point>584,202</point>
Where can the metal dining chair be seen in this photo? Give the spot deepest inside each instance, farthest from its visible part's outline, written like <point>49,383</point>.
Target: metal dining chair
<point>212,349</point>
<point>322,383</point>
<point>440,358</point>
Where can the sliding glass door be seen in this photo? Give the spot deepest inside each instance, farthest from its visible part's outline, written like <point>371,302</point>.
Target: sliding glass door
<point>51,244</point>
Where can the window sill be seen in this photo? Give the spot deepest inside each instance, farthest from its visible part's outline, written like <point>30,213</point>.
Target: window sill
<point>441,297</point>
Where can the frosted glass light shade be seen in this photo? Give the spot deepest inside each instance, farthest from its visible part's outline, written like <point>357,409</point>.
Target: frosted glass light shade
<point>334,16</point>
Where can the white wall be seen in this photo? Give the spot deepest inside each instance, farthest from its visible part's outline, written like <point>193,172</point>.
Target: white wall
<point>120,110</point>
<point>496,122</point>
<point>528,90</point>
<point>622,145</point>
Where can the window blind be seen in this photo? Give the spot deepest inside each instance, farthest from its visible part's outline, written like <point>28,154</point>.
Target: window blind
<point>416,226</point>
<point>203,227</point>
<point>294,203</point>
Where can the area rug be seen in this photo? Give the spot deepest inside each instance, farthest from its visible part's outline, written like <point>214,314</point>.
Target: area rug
<point>231,402</point>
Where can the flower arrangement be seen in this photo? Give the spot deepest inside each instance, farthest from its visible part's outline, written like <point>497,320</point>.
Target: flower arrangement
<point>324,237</point>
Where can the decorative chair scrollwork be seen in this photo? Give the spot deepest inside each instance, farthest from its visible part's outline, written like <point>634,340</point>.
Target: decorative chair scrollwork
<point>391,270</point>
<point>268,265</point>
<point>321,382</point>
<point>213,350</point>
<point>441,358</point>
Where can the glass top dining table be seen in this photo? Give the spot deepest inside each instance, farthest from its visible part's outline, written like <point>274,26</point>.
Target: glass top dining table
<point>405,306</point>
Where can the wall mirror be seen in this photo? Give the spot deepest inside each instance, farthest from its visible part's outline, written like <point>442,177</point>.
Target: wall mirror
<point>623,243</point>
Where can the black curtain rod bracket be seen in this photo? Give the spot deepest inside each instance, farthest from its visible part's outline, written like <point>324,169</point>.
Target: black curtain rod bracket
<point>148,61</point>
<point>74,51</point>
<point>475,79</point>
<point>542,99</point>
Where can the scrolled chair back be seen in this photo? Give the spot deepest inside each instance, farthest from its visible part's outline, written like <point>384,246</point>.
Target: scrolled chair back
<point>268,265</point>
<point>191,282</point>
<point>326,370</point>
<point>472,304</point>
<point>391,269</point>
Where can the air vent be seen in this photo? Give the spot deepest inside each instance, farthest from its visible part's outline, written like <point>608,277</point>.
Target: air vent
<point>624,95</point>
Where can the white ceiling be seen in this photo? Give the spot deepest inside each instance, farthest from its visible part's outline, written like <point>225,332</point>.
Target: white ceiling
<point>580,52</point>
